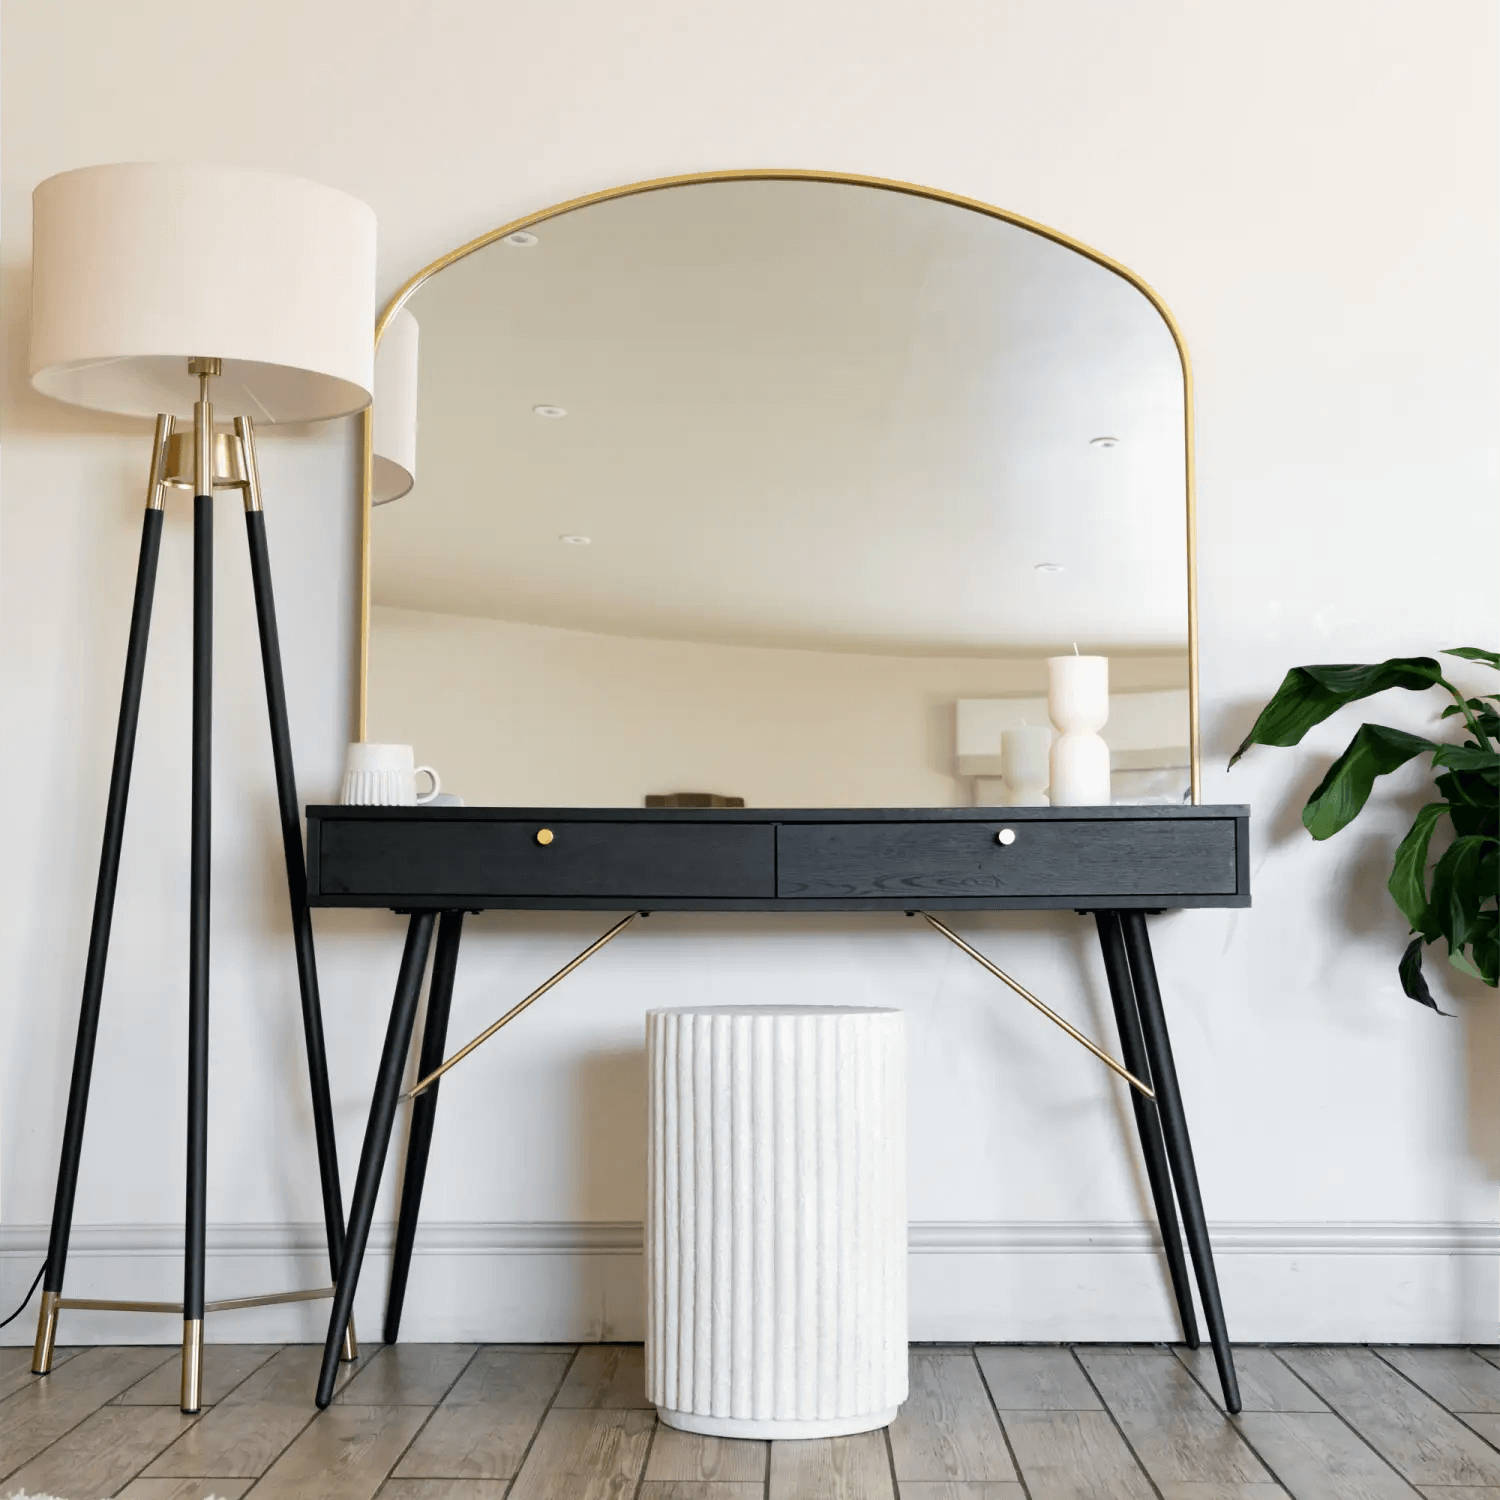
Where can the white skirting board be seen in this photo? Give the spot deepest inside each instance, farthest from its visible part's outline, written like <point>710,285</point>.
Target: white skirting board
<point>1294,1283</point>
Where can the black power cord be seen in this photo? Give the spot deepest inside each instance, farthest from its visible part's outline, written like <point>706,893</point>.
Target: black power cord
<point>27,1298</point>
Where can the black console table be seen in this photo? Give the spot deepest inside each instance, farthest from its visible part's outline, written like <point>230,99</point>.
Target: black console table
<point>1116,864</point>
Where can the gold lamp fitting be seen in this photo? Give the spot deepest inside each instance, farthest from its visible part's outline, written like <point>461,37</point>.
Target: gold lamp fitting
<point>230,471</point>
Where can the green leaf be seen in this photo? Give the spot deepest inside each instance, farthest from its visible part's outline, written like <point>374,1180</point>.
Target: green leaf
<point>1308,695</point>
<point>1463,965</point>
<point>1482,713</point>
<point>1467,758</point>
<point>1374,751</point>
<point>1408,882</point>
<point>1473,799</point>
<point>1485,947</point>
<point>1475,653</point>
<point>1457,894</point>
<point>1413,984</point>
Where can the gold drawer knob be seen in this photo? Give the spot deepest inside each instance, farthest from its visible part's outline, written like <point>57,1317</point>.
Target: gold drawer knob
<point>1006,836</point>
<point>544,835</point>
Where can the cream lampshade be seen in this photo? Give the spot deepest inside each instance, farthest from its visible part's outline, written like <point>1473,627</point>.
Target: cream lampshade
<point>141,266</point>
<point>394,469</point>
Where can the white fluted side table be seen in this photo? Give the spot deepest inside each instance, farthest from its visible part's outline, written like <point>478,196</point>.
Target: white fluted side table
<point>776,1219</point>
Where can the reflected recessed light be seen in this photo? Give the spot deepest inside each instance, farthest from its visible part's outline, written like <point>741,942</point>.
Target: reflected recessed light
<point>1049,567</point>
<point>520,237</point>
<point>1104,442</point>
<point>550,411</point>
<point>576,541</point>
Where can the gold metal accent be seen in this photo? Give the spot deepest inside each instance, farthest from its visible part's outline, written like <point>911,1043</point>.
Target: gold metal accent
<point>426,1083</point>
<point>544,835</point>
<point>46,1335</point>
<point>1195,750</point>
<point>787,174</point>
<point>192,1365</point>
<point>244,431</point>
<point>203,427</point>
<point>229,461</point>
<point>270,1299</point>
<point>234,462</point>
<point>203,366</point>
<point>106,1304</point>
<point>156,485</point>
<point>1031,999</point>
<point>225,1304</point>
<point>351,1344</point>
<point>367,509</point>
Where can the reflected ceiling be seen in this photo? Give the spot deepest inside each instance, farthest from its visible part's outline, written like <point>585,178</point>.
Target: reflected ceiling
<point>800,414</point>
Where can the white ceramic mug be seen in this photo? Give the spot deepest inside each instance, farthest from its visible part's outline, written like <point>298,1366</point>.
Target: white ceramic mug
<point>384,776</point>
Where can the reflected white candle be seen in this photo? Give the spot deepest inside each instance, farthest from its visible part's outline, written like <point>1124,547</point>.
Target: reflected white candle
<point>1078,692</point>
<point>1078,702</point>
<point>1024,762</point>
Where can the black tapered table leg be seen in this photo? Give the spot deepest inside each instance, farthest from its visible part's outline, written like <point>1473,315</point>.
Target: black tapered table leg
<point>1147,1120</point>
<point>424,1112</point>
<point>296,882</point>
<point>383,1104</point>
<point>195,1219</point>
<point>98,954</point>
<point>1179,1147</point>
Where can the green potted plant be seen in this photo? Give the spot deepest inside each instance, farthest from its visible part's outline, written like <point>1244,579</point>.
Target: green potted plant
<point>1455,897</point>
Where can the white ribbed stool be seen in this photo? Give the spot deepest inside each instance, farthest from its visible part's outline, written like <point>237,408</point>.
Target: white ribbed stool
<point>776,1219</point>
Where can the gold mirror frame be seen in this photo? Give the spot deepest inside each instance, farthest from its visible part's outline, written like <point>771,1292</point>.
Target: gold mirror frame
<point>848,179</point>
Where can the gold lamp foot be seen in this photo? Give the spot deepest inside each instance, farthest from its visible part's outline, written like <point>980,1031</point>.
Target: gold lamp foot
<point>192,1366</point>
<point>46,1335</point>
<point>351,1344</point>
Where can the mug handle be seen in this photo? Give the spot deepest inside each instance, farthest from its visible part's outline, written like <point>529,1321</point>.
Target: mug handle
<point>437,784</point>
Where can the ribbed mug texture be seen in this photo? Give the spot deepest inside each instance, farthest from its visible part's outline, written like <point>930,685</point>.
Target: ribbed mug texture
<point>776,1221</point>
<point>380,789</point>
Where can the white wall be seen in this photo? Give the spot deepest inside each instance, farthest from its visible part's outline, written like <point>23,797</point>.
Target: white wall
<point>1313,189</point>
<point>520,715</point>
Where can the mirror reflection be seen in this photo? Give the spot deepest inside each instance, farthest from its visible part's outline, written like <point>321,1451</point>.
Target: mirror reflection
<point>782,491</point>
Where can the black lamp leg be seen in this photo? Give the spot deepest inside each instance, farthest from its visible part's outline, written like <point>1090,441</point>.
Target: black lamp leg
<point>1179,1147</point>
<point>424,1112</point>
<point>98,955</point>
<point>1147,1121</point>
<point>383,1104</point>
<point>296,880</point>
<point>195,1224</point>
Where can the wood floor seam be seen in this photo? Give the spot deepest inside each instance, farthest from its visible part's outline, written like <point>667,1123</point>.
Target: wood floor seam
<point>890,1459</point>
<point>1114,1418</point>
<point>1355,1379</point>
<point>166,1355</point>
<point>640,1479</point>
<point>1010,1447</point>
<point>1349,1425</point>
<point>1333,1410</point>
<point>547,1412</point>
<point>1484,1437</point>
<point>1126,1422</point>
<point>1245,1437</point>
<point>431,1411</point>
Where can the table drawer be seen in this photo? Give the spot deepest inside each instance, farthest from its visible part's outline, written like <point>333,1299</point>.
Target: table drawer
<point>488,857</point>
<point>1089,858</point>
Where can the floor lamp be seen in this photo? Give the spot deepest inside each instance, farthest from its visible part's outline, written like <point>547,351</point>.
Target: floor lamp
<point>157,289</point>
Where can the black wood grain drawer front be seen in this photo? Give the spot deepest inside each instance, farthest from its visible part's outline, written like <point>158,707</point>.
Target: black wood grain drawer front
<point>928,861</point>
<point>634,861</point>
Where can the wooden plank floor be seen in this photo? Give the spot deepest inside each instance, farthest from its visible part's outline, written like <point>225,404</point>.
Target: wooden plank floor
<point>558,1422</point>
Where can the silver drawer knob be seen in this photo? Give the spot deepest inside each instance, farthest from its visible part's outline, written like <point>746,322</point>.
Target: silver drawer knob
<point>1006,836</point>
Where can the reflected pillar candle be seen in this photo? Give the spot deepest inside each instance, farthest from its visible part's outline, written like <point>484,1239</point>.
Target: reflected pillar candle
<point>1024,762</point>
<point>1078,702</point>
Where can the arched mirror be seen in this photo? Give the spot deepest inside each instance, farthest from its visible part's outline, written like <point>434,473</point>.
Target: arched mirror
<point>778,487</point>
